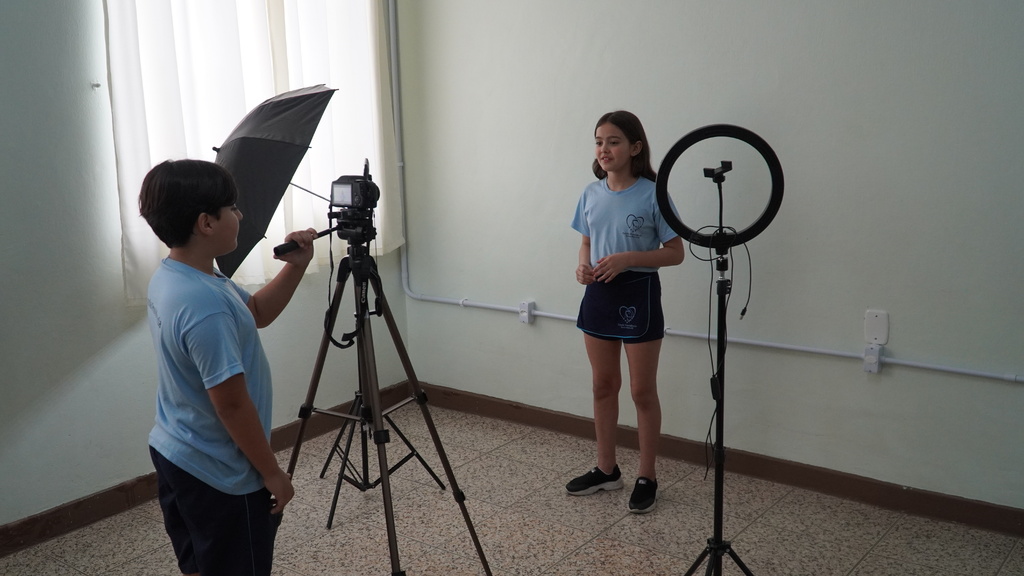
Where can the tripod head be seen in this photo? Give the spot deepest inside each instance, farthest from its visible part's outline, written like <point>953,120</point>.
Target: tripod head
<point>354,225</point>
<point>363,270</point>
<point>359,231</point>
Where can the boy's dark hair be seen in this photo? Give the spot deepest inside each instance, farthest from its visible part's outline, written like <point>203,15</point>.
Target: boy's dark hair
<point>634,132</point>
<point>175,192</point>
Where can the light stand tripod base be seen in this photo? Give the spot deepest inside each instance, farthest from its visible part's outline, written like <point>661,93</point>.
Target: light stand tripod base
<point>714,553</point>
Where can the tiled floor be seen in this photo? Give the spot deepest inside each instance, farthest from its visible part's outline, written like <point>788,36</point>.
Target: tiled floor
<point>513,476</point>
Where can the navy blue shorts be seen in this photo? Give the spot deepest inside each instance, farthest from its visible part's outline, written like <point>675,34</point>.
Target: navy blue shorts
<point>213,532</point>
<point>628,308</point>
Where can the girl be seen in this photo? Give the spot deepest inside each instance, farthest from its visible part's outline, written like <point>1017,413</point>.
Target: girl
<point>625,241</point>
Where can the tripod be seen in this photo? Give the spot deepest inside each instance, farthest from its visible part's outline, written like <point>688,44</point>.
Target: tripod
<point>366,409</point>
<point>717,548</point>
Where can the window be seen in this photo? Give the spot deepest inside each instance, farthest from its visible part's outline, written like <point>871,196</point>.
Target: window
<point>183,74</point>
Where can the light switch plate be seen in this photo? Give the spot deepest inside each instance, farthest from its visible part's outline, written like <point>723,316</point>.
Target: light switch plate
<point>876,327</point>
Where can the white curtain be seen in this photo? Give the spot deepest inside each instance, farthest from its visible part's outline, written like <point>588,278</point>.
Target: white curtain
<point>184,72</point>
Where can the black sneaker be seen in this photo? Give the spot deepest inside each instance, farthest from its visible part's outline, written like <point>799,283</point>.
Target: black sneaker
<point>644,496</point>
<point>593,481</point>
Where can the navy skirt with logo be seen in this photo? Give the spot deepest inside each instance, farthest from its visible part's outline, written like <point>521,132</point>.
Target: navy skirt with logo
<point>628,308</point>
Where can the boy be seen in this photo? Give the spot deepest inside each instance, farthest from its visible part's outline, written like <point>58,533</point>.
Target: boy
<point>220,486</point>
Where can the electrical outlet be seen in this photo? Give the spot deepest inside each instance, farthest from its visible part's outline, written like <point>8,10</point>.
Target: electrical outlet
<point>873,358</point>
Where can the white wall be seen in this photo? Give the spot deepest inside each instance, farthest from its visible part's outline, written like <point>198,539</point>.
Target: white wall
<point>77,374</point>
<point>898,127</point>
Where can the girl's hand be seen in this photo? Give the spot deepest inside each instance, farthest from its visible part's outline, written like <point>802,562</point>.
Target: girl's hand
<point>584,274</point>
<point>609,267</point>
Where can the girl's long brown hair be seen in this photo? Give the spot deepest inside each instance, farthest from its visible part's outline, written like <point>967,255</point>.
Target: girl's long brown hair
<point>634,132</point>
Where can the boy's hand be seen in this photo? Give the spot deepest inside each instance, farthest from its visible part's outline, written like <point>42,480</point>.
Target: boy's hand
<point>281,490</point>
<point>304,253</point>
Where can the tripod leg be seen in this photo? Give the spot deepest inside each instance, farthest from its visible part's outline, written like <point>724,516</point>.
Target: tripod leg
<point>697,563</point>
<point>413,452</point>
<point>337,490</point>
<point>346,460</point>
<point>318,368</point>
<point>353,413</point>
<point>341,473</point>
<point>421,399</point>
<point>371,391</point>
<point>736,558</point>
<point>334,448</point>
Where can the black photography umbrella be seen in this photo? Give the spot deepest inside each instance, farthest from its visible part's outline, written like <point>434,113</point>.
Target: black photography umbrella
<point>262,153</point>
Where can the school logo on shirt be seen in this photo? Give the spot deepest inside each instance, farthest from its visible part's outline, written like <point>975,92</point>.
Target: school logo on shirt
<point>634,223</point>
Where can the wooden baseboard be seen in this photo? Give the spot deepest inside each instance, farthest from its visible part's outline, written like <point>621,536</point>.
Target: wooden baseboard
<point>74,515</point>
<point>944,507</point>
<point>84,511</point>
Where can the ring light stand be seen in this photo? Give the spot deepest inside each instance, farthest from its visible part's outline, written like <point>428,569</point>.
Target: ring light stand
<point>721,240</point>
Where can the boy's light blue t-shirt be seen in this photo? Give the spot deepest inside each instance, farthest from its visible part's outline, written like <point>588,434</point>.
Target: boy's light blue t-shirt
<point>204,334</point>
<point>623,221</point>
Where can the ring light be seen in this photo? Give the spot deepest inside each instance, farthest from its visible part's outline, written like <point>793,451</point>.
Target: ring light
<point>722,238</point>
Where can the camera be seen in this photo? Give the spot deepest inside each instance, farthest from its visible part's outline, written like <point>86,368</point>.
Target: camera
<point>356,192</point>
<point>355,197</point>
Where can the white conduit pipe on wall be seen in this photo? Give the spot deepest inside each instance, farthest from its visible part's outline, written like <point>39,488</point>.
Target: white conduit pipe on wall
<point>466,303</point>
